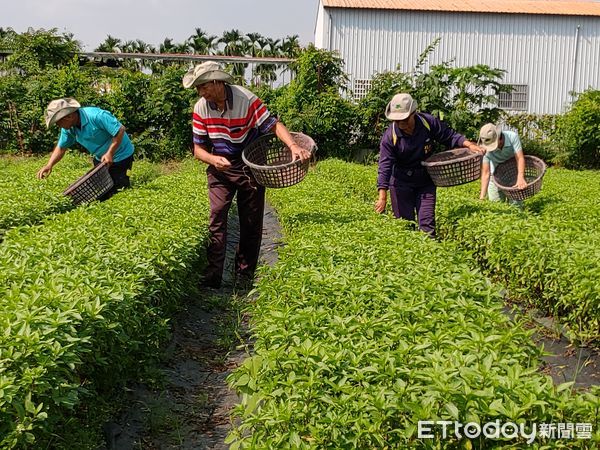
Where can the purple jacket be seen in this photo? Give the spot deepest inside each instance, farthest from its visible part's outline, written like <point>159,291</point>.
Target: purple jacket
<point>400,162</point>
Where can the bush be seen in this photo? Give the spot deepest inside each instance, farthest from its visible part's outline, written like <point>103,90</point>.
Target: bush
<point>312,103</point>
<point>464,97</point>
<point>535,131</point>
<point>372,121</point>
<point>150,106</point>
<point>577,137</point>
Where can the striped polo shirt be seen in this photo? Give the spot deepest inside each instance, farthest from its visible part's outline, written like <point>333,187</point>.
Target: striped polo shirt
<point>226,133</point>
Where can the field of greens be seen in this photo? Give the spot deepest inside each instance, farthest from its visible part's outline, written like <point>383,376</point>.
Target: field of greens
<point>364,328</point>
<point>26,201</point>
<point>86,295</point>
<point>547,257</point>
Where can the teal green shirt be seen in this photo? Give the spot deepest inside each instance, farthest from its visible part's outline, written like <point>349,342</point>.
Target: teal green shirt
<point>98,128</point>
<point>512,145</point>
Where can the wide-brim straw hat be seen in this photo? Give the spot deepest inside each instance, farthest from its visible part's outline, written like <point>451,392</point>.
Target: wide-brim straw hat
<point>59,108</point>
<point>205,72</point>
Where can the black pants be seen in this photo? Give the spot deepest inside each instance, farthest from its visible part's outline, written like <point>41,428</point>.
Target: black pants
<point>222,187</point>
<point>118,173</point>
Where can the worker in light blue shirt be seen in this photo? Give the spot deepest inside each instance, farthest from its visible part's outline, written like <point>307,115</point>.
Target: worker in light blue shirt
<point>500,146</point>
<point>98,131</point>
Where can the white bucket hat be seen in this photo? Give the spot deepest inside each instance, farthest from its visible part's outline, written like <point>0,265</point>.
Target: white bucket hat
<point>203,73</point>
<point>59,108</point>
<point>489,135</point>
<point>400,107</point>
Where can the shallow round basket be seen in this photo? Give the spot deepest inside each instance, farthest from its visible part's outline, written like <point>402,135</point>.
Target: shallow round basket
<point>505,177</point>
<point>90,186</point>
<point>454,167</point>
<point>271,161</point>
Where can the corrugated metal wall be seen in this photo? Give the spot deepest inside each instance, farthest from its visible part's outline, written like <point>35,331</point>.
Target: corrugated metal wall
<point>535,50</point>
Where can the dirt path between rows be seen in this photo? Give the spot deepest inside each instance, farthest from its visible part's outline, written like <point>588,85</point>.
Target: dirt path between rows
<point>191,410</point>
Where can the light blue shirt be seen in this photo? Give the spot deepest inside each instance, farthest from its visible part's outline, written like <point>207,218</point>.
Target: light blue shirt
<point>96,132</point>
<point>512,146</point>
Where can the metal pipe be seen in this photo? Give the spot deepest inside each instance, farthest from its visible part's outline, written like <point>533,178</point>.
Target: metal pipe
<point>576,57</point>
<point>329,38</point>
<point>186,57</point>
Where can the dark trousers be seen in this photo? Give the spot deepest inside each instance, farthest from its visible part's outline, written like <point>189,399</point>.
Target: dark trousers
<point>118,173</point>
<point>222,187</point>
<point>406,200</point>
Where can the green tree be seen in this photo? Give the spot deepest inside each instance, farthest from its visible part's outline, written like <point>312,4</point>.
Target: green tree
<point>290,46</point>
<point>35,50</point>
<point>235,44</point>
<point>312,102</point>
<point>111,45</point>
<point>202,43</point>
<point>577,136</point>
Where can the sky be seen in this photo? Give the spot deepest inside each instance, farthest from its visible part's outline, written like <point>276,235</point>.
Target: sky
<point>152,21</point>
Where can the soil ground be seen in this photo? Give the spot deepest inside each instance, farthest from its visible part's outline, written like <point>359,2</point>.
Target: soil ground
<point>566,362</point>
<point>192,408</point>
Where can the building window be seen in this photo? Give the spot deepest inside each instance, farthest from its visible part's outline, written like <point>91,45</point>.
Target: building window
<point>360,88</point>
<point>515,100</point>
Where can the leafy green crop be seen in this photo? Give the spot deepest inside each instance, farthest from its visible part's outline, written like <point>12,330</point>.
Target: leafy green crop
<point>363,328</point>
<point>86,297</point>
<point>25,200</point>
<point>547,257</point>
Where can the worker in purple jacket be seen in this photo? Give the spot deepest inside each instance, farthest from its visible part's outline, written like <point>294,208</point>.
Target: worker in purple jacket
<point>405,144</point>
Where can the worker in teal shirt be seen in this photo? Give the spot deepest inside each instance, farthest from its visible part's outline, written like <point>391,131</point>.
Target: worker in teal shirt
<point>500,146</point>
<point>98,131</point>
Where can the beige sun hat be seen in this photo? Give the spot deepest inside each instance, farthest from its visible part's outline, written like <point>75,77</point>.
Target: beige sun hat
<point>205,72</point>
<point>59,108</point>
<point>400,107</point>
<point>489,135</point>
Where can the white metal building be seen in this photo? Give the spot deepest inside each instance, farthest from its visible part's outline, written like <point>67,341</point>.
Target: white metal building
<point>549,48</point>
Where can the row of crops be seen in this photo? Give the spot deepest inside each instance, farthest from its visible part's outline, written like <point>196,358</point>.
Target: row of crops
<point>85,295</point>
<point>25,201</point>
<point>364,328</point>
<point>547,257</point>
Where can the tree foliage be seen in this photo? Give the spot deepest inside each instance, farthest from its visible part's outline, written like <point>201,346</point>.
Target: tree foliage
<point>35,50</point>
<point>156,109</point>
<point>464,97</point>
<point>312,103</point>
<point>577,137</point>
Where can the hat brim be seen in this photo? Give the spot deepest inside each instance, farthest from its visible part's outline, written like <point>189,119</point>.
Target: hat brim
<point>398,116</point>
<point>490,147</point>
<point>190,81</point>
<point>57,115</point>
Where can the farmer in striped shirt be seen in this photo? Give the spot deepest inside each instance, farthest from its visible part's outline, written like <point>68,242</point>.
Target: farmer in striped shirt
<point>225,120</point>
